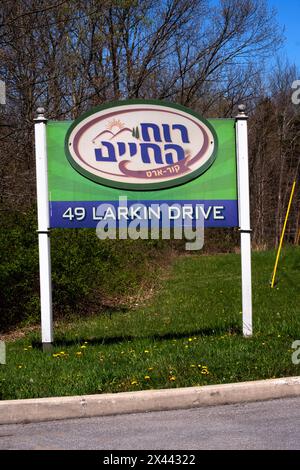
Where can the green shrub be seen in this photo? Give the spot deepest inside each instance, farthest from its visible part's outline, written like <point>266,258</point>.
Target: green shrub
<point>18,270</point>
<point>86,273</point>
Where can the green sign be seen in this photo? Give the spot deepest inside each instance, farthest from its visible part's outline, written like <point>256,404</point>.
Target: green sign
<point>149,152</point>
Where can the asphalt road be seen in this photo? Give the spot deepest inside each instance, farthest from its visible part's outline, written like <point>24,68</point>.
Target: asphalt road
<point>263,425</point>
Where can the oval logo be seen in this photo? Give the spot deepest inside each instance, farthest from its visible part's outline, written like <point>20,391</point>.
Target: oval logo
<point>141,145</point>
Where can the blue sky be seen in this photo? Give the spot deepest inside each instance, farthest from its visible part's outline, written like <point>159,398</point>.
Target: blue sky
<point>288,15</point>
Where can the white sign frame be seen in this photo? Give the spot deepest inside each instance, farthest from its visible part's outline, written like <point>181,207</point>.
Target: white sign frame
<point>44,223</point>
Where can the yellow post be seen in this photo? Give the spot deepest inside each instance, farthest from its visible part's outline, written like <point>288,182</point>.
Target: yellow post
<point>282,234</point>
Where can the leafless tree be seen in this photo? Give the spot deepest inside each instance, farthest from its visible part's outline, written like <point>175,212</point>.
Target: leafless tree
<point>71,55</point>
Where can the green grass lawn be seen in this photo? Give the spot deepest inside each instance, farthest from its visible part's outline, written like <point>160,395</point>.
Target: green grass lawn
<point>189,334</point>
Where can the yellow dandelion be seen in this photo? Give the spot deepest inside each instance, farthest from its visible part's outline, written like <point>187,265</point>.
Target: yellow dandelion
<point>146,351</point>
<point>172,378</point>
<point>190,339</point>
<point>134,382</point>
<point>25,349</point>
<point>150,369</point>
<point>79,353</point>
<point>204,371</point>
<point>20,366</point>
<point>193,365</point>
<point>147,377</point>
<point>83,347</point>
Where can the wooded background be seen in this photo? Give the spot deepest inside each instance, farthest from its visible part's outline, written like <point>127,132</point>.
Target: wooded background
<point>68,56</point>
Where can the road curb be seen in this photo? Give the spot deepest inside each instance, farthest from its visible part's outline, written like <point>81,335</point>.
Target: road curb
<point>55,408</point>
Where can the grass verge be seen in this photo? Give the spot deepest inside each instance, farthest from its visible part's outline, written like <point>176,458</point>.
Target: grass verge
<point>189,334</point>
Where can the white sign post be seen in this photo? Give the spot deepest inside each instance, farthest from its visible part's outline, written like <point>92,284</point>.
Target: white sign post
<point>244,217</point>
<point>43,228</point>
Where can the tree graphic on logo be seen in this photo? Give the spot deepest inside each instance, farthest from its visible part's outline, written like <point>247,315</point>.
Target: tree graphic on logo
<point>136,132</point>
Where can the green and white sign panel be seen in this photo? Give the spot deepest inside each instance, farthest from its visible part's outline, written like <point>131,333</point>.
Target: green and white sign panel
<point>149,152</point>
<point>141,160</point>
